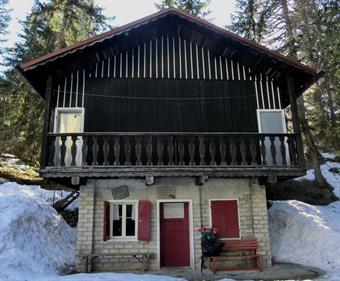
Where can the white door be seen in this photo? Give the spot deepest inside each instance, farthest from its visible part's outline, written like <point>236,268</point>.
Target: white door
<point>272,121</point>
<point>69,120</point>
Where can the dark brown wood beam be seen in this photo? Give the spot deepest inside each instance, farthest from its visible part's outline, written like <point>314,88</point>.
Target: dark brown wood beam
<point>46,127</point>
<point>296,119</point>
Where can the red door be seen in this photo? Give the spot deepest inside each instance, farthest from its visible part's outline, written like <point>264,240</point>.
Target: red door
<point>224,216</point>
<point>174,234</point>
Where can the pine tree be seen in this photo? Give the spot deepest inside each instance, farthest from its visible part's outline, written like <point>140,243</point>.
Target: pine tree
<point>4,19</point>
<point>49,26</point>
<point>197,8</point>
<point>250,19</point>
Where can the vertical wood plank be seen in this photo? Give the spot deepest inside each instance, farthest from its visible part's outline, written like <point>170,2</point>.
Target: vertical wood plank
<point>106,151</point>
<point>46,128</point>
<point>149,150</point>
<point>62,150</point>
<point>95,149</point>
<point>74,150</point>
<point>84,151</point>
<point>191,149</point>
<point>127,150</point>
<point>160,161</point>
<point>202,150</point>
<point>273,149</point>
<point>138,149</point>
<point>223,150</point>
<point>171,150</point>
<point>212,150</point>
<point>116,151</point>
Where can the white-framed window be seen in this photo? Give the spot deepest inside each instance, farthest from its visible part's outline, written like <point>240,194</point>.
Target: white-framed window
<point>123,220</point>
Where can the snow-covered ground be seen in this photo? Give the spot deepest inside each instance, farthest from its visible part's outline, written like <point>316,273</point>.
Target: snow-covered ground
<point>332,178</point>
<point>307,234</point>
<point>33,237</point>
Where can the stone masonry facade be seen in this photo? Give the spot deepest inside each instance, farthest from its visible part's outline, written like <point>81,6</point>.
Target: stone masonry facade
<point>252,213</point>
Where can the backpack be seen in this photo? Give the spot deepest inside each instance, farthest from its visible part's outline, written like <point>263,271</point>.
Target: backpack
<point>211,247</point>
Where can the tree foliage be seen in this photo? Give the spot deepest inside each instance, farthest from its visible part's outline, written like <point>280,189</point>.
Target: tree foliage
<point>197,8</point>
<point>49,26</point>
<point>4,19</point>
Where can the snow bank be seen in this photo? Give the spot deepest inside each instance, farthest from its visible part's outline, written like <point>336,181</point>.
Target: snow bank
<point>332,178</point>
<point>34,239</point>
<point>306,234</point>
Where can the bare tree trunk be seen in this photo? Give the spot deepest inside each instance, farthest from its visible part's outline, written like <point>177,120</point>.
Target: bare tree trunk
<point>312,152</point>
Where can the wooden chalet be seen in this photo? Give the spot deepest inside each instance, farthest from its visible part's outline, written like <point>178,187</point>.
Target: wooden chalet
<point>168,98</point>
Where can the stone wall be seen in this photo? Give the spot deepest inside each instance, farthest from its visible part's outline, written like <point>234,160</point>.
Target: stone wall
<point>252,211</point>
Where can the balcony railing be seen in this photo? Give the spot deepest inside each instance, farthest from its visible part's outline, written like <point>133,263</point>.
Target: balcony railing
<point>178,150</point>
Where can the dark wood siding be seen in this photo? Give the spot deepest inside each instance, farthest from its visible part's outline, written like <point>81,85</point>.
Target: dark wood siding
<point>156,105</point>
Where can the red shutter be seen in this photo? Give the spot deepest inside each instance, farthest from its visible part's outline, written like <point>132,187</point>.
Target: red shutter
<point>106,224</point>
<point>224,216</point>
<point>144,220</point>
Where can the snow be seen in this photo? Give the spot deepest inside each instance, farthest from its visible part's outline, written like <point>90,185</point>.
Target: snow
<point>33,237</point>
<point>332,178</point>
<point>328,155</point>
<point>102,277</point>
<point>306,234</point>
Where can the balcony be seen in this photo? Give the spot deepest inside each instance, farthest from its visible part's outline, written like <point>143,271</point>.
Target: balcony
<point>127,154</point>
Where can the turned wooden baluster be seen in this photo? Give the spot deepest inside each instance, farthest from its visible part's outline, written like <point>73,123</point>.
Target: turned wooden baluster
<point>74,150</point>
<point>138,148</point>
<point>191,149</point>
<point>84,152</point>
<point>106,151</point>
<point>202,150</point>
<point>212,150</point>
<point>127,149</point>
<point>51,151</point>
<point>283,150</point>
<point>232,149</point>
<point>62,150</point>
<point>273,149</point>
<point>292,150</point>
<point>95,149</point>
<point>116,151</point>
<point>243,149</point>
<point>171,150</point>
<point>253,152</point>
<point>149,151</point>
<point>223,150</point>
<point>160,151</point>
<point>181,151</point>
<point>263,151</point>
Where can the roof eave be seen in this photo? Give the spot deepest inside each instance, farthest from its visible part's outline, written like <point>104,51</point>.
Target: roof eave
<point>109,34</point>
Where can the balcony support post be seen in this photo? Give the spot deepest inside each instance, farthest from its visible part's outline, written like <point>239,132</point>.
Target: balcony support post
<point>46,127</point>
<point>296,119</point>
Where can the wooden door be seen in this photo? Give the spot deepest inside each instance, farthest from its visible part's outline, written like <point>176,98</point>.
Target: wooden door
<point>174,234</point>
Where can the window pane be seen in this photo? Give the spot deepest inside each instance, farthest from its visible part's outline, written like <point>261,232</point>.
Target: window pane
<point>116,220</point>
<point>130,227</point>
<point>128,211</point>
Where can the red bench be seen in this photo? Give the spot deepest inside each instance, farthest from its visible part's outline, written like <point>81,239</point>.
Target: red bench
<point>238,250</point>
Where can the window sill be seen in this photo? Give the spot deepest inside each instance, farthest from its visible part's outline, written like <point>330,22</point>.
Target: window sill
<point>111,240</point>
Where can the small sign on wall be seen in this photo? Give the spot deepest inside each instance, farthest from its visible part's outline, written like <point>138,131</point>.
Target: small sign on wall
<point>120,192</point>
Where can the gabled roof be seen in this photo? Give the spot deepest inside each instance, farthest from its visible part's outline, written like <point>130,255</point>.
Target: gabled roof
<point>33,68</point>
<point>97,38</point>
